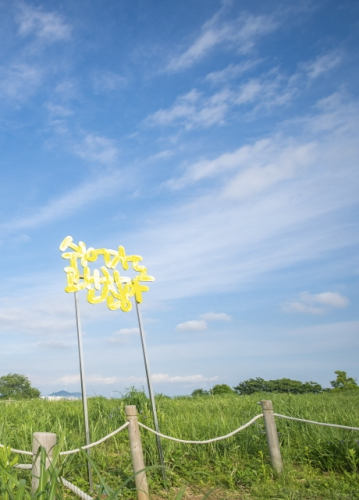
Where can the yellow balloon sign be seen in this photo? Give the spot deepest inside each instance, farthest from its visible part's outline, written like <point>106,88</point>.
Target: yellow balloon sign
<point>113,288</point>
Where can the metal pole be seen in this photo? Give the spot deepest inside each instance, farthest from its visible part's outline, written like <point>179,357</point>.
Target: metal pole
<point>83,386</point>
<point>152,398</point>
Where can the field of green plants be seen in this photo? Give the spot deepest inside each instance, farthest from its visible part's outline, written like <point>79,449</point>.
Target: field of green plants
<point>319,462</point>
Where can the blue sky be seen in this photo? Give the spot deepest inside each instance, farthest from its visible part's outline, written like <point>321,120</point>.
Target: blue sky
<point>216,139</point>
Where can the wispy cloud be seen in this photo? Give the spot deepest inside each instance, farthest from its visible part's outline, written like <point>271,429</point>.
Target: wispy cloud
<point>240,34</point>
<point>193,110</point>
<point>128,331</point>
<point>231,71</point>
<point>253,168</point>
<point>48,26</point>
<point>322,64</point>
<point>96,148</point>
<point>198,109</point>
<point>121,337</point>
<point>53,344</point>
<point>19,81</point>
<point>64,205</point>
<point>41,321</point>
<point>198,325</point>
<point>211,316</point>
<point>195,325</point>
<point>316,304</point>
<point>265,192</point>
<point>107,81</point>
<point>158,378</point>
<point>91,379</point>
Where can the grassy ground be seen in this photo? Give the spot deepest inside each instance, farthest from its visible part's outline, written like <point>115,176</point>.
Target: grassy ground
<point>319,462</point>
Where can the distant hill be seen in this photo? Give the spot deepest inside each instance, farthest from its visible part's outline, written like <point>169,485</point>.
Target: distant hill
<point>65,394</point>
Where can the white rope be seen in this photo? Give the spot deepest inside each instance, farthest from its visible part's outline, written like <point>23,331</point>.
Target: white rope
<point>76,490</point>
<point>66,483</point>
<point>317,423</point>
<point>21,452</point>
<point>208,440</point>
<point>96,442</point>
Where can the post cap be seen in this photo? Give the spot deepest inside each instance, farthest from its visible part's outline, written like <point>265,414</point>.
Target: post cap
<point>131,411</point>
<point>267,404</point>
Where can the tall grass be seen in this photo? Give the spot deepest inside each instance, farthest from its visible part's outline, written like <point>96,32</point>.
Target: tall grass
<point>316,459</point>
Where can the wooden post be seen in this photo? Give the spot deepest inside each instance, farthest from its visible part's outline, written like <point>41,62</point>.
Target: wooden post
<point>272,436</point>
<point>136,452</point>
<point>47,440</point>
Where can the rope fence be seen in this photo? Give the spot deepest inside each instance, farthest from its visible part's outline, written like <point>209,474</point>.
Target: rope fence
<point>70,452</point>
<point>208,440</point>
<point>133,425</point>
<point>317,423</point>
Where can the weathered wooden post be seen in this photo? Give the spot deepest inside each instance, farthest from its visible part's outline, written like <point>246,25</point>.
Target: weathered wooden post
<point>137,454</point>
<point>47,440</point>
<point>272,436</point>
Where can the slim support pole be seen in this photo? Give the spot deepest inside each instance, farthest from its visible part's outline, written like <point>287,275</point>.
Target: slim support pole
<point>152,398</point>
<point>47,440</point>
<point>83,386</point>
<point>137,453</point>
<point>272,436</point>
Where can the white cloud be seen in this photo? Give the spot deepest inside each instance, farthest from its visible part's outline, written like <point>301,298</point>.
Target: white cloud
<point>193,110</point>
<point>156,378</point>
<point>53,344</point>
<point>323,64</point>
<point>65,205</point>
<point>195,325</point>
<point>331,299</point>
<point>256,167</point>
<point>128,331</point>
<point>67,89</point>
<point>298,307</point>
<point>91,379</point>
<point>97,149</point>
<point>273,88</point>
<point>241,34</point>
<point>36,321</point>
<point>173,379</point>
<point>58,110</point>
<point>69,379</point>
<point>308,303</point>
<point>19,81</point>
<point>162,155</point>
<point>107,81</point>
<point>242,231</point>
<point>211,316</point>
<point>231,71</point>
<point>120,337</point>
<point>98,380</point>
<point>47,26</point>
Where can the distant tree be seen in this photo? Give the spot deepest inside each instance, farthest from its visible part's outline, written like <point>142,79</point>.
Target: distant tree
<point>251,386</point>
<point>199,392</point>
<point>294,386</point>
<point>221,389</point>
<point>343,382</point>
<point>15,386</point>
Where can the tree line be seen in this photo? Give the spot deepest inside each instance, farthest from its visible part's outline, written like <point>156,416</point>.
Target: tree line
<point>283,385</point>
<point>15,386</point>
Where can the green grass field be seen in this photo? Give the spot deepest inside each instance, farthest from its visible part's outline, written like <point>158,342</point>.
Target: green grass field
<point>319,462</point>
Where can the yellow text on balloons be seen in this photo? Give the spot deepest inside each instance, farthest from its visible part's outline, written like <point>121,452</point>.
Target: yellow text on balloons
<point>101,284</point>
